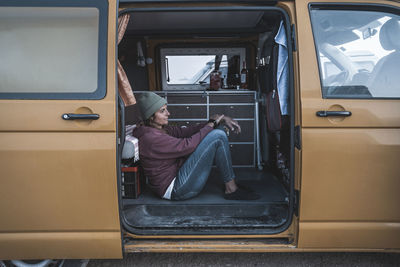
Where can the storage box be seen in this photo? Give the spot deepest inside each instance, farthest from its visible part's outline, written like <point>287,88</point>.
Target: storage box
<point>131,182</point>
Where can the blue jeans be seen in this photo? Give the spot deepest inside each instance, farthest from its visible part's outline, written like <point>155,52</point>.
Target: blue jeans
<point>193,174</point>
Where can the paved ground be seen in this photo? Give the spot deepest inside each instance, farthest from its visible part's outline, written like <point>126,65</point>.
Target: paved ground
<point>254,259</point>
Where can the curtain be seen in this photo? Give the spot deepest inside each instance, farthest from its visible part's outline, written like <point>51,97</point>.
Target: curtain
<point>218,59</point>
<point>124,87</point>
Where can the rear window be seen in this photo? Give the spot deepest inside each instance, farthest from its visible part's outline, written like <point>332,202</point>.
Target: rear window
<point>190,68</point>
<point>56,50</point>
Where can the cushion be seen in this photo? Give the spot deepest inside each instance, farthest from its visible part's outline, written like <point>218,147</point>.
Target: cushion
<point>131,146</point>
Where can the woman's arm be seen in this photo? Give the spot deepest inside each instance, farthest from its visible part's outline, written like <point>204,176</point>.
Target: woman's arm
<point>164,146</point>
<point>182,132</point>
<point>185,132</point>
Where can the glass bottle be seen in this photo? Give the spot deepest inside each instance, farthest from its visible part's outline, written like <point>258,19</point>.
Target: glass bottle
<point>244,76</point>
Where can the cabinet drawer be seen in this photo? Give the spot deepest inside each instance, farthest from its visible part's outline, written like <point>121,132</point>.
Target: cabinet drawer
<point>242,154</point>
<point>247,134</point>
<point>238,111</point>
<point>187,112</point>
<point>234,98</point>
<point>187,99</point>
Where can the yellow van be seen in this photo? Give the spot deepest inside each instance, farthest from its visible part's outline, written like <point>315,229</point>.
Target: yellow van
<point>319,108</point>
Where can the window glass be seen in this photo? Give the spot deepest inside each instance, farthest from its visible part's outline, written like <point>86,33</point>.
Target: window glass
<point>191,68</point>
<point>50,52</point>
<point>359,53</point>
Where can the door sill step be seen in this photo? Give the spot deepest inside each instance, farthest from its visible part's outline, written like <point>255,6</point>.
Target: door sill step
<point>226,245</point>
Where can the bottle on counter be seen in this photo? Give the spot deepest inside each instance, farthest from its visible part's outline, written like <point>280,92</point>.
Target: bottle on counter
<point>224,82</point>
<point>244,76</point>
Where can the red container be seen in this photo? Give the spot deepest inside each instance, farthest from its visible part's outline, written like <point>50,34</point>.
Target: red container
<point>131,184</point>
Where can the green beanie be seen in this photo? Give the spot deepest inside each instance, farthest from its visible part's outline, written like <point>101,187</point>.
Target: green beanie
<point>149,103</point>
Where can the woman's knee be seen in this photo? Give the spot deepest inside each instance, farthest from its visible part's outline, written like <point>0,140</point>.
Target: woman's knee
<point>219,134</point>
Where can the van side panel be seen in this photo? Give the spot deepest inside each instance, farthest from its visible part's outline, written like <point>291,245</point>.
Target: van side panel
<point>350,188</point>
<point>58,192</point>
<point>60,245</point>
<point>343,235</point>
<point>64,193</point>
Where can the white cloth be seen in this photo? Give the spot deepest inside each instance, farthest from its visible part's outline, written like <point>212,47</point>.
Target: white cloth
<point>167,194</point>
<point>131,146</point>
<point>282,70</point>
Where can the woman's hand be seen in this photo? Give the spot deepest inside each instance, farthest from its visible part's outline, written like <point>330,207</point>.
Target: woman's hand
<point>232,124</point>
<point>219,118</point>
<point>228,121</point>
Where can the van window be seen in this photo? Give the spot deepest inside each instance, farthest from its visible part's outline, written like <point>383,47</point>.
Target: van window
<point>190,68</point>
<point>358,53</point>
<point>53,52</point>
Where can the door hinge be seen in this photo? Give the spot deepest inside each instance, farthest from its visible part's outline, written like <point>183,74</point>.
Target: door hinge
<point>297,137</point>
<point>296,202</point>
<point>293,36</point>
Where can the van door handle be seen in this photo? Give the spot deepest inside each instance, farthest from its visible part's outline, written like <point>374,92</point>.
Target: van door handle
<point>74,116</point>
<point>325,113</point>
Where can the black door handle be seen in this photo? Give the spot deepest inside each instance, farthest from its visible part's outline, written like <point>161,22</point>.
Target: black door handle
<point>325,113</point>
<point>73,116</point>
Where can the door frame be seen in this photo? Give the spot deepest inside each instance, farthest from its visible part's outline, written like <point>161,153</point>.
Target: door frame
<point>293,196</point>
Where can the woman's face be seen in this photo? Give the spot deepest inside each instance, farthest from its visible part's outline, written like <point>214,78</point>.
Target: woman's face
<point>161,116</point>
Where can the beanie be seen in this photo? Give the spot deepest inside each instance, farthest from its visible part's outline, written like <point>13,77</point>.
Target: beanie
<point>149,103</point>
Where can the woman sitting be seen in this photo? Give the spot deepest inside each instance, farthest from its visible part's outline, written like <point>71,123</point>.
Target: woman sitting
<point>178,161</point>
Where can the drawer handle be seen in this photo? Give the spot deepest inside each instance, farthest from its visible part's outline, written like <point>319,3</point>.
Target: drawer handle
<point>187,107</point>
<point>231,107</point>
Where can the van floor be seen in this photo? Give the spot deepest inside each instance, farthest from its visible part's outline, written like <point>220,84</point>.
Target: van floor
<point>210,211</point>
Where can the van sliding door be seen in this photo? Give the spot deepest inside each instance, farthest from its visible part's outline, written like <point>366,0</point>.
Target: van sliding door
<point>58,186</point>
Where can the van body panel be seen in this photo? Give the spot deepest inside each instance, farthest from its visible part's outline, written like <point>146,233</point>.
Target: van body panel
<point>339,235</point>
<point>350,171</point>
<point>45,115</point>
<point>59,195</point>
<point>61,245</point>
<point>59,192</point>
<point>355,169</point>
<point>365,113</point>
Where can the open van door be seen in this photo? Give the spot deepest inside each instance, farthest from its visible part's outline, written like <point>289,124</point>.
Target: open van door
<point>58,185</point>
<point>350,97</point>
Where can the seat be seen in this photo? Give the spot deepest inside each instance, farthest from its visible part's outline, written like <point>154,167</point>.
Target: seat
<point>385,79</point>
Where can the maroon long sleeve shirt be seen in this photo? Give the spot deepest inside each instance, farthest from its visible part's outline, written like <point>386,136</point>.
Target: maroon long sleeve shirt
<point>162,154</point>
